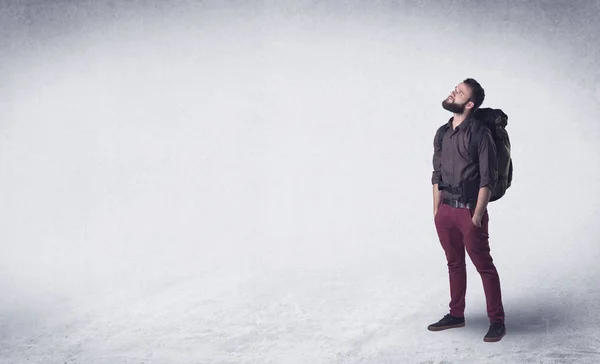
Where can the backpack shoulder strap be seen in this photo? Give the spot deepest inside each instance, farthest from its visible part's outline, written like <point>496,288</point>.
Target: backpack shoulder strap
<point>476,138</point>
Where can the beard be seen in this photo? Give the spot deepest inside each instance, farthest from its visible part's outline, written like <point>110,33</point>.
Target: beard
<point>454,108</point>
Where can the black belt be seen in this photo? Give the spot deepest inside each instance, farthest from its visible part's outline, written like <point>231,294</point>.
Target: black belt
<point>459,205</point>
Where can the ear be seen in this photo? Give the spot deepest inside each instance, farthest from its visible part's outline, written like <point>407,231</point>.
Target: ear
<point>470,105</point>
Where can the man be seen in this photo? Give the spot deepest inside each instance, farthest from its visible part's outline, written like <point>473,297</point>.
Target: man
<point>461,192</point>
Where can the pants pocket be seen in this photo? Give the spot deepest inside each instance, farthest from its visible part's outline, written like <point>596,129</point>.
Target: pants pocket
<point>484,218</point>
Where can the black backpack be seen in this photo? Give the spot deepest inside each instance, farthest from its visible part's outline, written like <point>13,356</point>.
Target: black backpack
<point>495,120</point>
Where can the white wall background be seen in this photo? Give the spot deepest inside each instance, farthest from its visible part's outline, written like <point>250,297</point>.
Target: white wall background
<point>278,152</point>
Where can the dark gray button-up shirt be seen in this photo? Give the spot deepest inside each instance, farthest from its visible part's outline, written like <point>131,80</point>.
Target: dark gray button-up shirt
<point>452,162</point>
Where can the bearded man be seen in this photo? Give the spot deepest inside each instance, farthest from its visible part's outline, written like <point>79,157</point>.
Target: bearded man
<point>461,192</point>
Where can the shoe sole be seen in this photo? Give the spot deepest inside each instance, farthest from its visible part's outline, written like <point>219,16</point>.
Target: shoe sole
<point>441,328</point>
<point>493,339</point>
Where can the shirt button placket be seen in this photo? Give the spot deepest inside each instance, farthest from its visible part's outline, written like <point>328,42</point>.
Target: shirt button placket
<point>452,158</point>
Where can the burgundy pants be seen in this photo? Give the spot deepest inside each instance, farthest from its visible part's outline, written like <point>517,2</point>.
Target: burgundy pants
<point>457,232</point>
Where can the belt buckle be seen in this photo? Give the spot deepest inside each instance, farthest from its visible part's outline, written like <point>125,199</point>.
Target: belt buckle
<point>459,204</point>
<point>451,202</point>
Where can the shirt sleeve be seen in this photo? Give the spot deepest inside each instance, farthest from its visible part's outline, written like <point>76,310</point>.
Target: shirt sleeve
<point>488,163</point>
<point>437,160</point>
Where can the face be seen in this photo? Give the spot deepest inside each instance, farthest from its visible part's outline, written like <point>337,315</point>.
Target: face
<point>458,100</point>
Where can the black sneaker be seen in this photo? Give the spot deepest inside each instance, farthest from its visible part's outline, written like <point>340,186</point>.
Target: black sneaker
<point>495,333</point>
<point>447,322</point>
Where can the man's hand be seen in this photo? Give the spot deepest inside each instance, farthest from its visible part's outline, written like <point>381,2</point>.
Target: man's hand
<point>437,199</point>
<point>482,201</point>
<point>477,220</point>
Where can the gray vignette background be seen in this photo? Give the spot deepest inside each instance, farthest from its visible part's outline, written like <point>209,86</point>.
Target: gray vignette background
<point>249,182</point>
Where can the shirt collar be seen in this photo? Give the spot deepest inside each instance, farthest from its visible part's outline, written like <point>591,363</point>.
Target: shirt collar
<point>464,125</point>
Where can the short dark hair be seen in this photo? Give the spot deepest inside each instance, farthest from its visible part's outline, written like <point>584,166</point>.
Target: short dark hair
<point>478,94</point>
